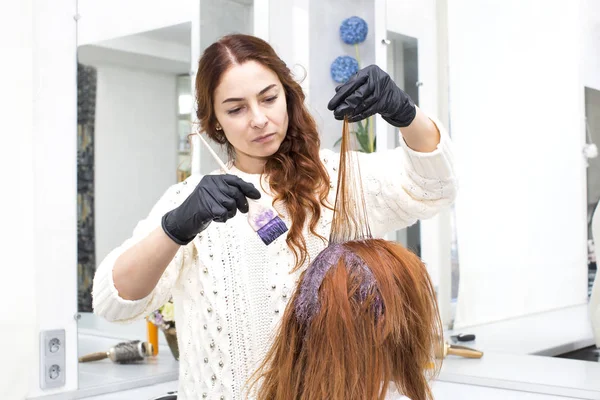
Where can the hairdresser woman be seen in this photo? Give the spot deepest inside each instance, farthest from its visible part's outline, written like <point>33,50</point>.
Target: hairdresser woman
<point>196,245</point>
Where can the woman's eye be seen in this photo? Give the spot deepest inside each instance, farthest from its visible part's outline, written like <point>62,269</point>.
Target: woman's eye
<point>234,111</point>
<point>271,99</point>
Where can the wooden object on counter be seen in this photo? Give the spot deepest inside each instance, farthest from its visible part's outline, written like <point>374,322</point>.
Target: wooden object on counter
<point>455,350</point>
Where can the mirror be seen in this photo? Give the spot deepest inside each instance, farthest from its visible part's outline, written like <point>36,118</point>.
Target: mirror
<point>403,68</point>
<point>134,105</point>
<point>592,116</point>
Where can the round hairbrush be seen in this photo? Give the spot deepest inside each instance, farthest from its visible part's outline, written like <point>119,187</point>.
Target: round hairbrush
<point>122,353</point>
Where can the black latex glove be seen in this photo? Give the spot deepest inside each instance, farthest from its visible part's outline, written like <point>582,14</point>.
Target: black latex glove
<point>371,91</point>
<point>216,198</point>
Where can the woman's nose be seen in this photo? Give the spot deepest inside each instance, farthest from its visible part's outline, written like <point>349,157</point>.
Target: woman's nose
<point>259,119</point>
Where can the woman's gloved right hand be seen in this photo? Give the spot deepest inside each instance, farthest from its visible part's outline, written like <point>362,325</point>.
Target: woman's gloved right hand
<point>216,198</point>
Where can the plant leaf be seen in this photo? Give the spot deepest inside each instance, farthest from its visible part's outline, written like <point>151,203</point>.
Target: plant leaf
<point>363,141</point>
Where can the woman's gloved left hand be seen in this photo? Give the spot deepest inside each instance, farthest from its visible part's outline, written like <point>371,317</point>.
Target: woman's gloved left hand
<point>371,91</point>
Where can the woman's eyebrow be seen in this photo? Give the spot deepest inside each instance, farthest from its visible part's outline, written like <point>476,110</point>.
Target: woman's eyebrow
<point>233,99</point>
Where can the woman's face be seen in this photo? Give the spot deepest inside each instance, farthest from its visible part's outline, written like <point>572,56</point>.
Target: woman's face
<point>251,108</point>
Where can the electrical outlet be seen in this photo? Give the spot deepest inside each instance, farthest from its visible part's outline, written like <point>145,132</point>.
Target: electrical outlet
<point>52,359</point>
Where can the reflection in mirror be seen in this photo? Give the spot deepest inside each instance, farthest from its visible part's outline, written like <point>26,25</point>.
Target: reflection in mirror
<point>130,112</point>
<point>403,68</point>
<point>184,126</point>
<point>592,116</point>
<point>134,103</point>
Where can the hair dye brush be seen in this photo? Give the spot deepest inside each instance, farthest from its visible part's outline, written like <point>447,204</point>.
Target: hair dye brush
<point>122,353</point>
<point>262,218</point>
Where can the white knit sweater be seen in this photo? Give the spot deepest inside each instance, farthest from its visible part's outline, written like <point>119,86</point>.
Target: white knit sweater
<point>230,290</point>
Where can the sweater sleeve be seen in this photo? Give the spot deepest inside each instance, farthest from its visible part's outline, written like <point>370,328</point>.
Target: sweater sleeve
<point>106,300</point>
<point>402,186</point>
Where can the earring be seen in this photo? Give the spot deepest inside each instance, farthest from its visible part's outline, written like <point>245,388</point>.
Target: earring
<point>218,127</point>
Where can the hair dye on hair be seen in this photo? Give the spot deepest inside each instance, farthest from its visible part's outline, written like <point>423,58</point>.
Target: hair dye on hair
<point>363,316</point>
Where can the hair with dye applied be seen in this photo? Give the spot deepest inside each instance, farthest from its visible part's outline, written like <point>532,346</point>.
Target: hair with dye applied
<point>363,316</point>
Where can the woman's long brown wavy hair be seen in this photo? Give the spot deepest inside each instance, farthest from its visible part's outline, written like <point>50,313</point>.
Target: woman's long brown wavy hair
<point>364,315</point>
<point>296,175</point>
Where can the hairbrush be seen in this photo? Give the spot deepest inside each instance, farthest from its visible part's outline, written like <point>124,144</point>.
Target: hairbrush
<point>122,353</point>
<point>263,219</point>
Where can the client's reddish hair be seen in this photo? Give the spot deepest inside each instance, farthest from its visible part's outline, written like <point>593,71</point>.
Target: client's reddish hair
<point>363,316</point>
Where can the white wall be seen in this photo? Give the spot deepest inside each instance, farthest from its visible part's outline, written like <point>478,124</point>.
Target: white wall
<point>135,149</point>
<point>517,122</point>
<point>38,154</point>
<point>18,322</point>
<point>109,19</point>
<point>591,42</point>
<point>139,52</point>
<point>55,155</point>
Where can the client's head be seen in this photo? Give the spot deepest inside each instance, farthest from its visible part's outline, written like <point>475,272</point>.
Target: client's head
<point>363,316</point>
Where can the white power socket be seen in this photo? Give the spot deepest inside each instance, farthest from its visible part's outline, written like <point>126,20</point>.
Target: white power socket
<point>52,359</point>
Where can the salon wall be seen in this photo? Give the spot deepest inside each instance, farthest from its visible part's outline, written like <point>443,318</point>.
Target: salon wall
<point>16,81</point>
<point>591,42</point>
<point>592,113</point>
<point>38,155</point>
<point>136,126</point>
<point>54,151</point>
<point>325,45</point>
<point>127,17</point>
<point>517,121</point>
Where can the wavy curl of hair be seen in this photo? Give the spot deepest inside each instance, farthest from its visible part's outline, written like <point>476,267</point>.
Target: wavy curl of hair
<point>296,175</point>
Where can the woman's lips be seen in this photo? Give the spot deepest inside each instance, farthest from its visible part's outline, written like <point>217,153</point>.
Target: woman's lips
<point>264,138</point>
